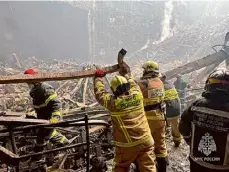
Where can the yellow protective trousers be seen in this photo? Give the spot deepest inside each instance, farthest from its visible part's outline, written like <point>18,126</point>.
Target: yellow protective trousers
<point>157,128</point>
<point>50,135</point>
<point>142,154</point>
<point>174,122</point>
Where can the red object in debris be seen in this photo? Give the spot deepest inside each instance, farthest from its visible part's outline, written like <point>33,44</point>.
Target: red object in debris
<point>100,73</point>
<point>31,71</point>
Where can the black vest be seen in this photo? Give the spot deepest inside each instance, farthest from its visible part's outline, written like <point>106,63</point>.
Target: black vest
<point>210,138</point>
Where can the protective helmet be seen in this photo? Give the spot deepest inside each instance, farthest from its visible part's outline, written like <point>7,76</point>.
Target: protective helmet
<point>119,85</point>
<point>151,66</point>
<point>31,71</point>
<point>218,81</point>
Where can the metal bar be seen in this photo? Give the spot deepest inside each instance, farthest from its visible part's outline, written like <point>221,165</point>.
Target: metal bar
<point>13,144</point>
<point>12,139</point>
<point>79,114</point>
<point>51,151</point>
<point>43,125</point>
<point>194,89</point>
<point>54,76</point>
<point>88,142</point>
<point>68,124</point>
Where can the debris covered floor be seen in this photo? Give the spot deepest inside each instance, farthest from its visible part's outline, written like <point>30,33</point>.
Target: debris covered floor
<point>77,97</point>
<point>178,157</point>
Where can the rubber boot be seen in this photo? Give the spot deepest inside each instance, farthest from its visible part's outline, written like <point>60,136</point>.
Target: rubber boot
<point>167,160</point>
<point>135,167</point>
<point>176,144</point>
<point>161,164</point>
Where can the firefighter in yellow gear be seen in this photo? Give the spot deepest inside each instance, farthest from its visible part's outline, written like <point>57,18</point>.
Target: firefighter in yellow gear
<point>153,91</point>
<point>132,139</point>
<point>173,109</point>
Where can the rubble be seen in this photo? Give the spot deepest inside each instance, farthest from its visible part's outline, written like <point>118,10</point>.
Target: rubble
<point>86,123</point>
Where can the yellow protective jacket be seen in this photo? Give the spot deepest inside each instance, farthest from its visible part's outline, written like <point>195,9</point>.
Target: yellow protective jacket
<point>130,126</point>
<point>153,92</point>
<point>172,101</point>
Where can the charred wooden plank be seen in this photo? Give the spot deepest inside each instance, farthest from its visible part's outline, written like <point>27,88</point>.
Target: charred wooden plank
<point>81,114</point>
<point>21,121</point>
<point>12,114</point>
<point>96,128</point>
<point>54,76</point>
<point>84,91</point>
<point>76,88</point>
<point>8,157</point>
<point>75,122</point>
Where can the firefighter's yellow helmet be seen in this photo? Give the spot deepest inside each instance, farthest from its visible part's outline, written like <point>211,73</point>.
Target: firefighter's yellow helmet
<point>119,85</point>
<point>151,66</point>
<point>117,81</point>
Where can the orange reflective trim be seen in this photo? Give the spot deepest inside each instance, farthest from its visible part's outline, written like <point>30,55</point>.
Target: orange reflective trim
<point>132,144</point>
<point>122,126</point>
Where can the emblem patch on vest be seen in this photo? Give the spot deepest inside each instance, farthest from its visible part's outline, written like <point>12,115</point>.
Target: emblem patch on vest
<point>207,144</point>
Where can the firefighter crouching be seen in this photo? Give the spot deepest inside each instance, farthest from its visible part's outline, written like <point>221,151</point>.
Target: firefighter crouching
<point>132,139</point>
<point>47,106</point>
<point>205,126</point>
<point>153,91</point>
<point>173,108</point>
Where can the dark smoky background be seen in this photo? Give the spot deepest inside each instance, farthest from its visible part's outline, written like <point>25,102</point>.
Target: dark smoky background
<point>94,31</point>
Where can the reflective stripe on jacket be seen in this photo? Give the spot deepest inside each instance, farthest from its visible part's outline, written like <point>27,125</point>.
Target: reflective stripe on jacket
<point>153,92</point>
<point>45,101</point>
<point>172,100</point>
<point>130,126</point>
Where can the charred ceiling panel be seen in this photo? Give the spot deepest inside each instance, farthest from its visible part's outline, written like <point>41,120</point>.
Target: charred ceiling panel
<point>43,29</point>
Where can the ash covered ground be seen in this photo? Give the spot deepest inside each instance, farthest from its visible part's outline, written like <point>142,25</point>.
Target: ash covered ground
<point>178,157</point>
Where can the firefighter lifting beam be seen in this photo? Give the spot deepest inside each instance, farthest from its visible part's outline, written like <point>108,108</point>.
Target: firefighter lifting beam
<point>215,58</point>
<point>53,76</point>
<point>61,76</point>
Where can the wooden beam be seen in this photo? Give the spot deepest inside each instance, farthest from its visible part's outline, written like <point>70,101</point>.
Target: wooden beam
<point>85,90</point>
<point>72,93</point>
<point>54,76</point>
<point>217,57</point>
<point>8,157</point>
<point>206,72</point>
<point>14,121</point>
